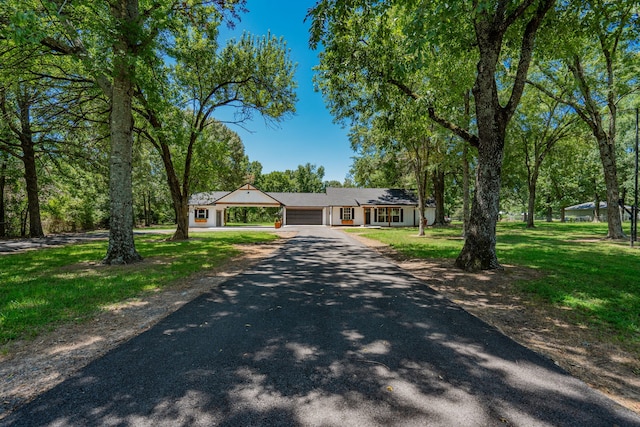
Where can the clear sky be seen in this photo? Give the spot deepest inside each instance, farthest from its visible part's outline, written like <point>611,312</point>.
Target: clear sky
<point>310,136</point>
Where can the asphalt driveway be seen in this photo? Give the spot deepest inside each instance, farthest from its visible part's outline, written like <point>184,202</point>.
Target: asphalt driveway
<point>324,333</point>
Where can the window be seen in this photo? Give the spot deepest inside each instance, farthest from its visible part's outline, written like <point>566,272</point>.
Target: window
<point>346,214</point>
<point>389,215</point>
<point>381,215</point>
<point>396,215</point>
<point>202,214</point>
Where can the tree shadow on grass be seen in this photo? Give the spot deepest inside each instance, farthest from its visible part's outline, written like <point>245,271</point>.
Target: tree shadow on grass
<point>325,332</point>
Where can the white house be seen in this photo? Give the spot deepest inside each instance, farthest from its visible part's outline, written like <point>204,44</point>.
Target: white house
<point>337,206</point>
<point>587,211</point>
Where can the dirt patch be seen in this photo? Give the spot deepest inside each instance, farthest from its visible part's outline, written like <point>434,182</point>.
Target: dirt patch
<point>556,332</point>
<point>28,368</point>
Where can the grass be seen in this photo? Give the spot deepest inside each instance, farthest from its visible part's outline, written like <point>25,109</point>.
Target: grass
<point>44,288</point>
<point>595,278</point>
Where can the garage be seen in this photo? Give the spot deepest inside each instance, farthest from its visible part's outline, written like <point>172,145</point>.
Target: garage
<point>304,217</point>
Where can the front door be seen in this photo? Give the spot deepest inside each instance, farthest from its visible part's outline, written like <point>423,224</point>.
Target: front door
<point>367,216</point>
<point>219,219</point>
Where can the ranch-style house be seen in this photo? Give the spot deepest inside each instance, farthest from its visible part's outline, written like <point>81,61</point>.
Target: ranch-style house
<point>385,207</point>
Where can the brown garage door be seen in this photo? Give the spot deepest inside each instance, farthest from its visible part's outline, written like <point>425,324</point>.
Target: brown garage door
<point>304,216</point>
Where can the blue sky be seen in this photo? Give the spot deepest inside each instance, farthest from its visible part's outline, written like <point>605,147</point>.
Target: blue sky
<point>310,136</point>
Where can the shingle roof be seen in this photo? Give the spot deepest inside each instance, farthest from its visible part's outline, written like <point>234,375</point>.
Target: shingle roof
<point>332,197</point>
<point>370,196</point>
<point>586,205</point>
<point>204,199</point>
<point>301,199</point>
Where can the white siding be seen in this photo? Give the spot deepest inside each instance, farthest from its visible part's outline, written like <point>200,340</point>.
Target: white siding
<point>203,223</point>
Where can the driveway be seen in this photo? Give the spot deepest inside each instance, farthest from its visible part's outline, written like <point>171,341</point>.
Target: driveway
<point>324,333</point>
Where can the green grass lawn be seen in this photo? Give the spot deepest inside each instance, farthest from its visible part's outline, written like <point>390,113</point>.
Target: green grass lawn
<point>596,278</point>
<point>41,289</point>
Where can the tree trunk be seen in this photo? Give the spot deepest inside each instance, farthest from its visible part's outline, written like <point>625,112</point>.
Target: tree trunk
<point>438,194</point>
<point>146,206</point>
<point>182,219</point>
<point>30,169</point>
<point>608,158</point>
<point>466,194</point>
<point>31,180</point>
<point>421,180</point>
<point>24,215</point>
<point>531,206</point>
<point>596,209</point>
<point>466,176</point>
<point>3,213</point>
<point>122,249</point>
<point>479,250</point>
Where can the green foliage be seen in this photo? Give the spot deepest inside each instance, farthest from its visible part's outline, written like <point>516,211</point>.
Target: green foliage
<point>595,278</point>
<point>306,178</point>
<point>42,289</point>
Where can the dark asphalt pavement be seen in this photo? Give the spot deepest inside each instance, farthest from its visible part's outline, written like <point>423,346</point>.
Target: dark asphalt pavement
<point>324,333</point>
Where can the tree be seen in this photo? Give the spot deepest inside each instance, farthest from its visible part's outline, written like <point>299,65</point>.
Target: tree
<point>309,178</point>
<point>600,59</point>
<point>251,74</point>
<point>538,126</point>
<point>400,129</point>
<point>278,182</point>
<point>498,33</point>
<point>22,140</point>
<point>112,42</point>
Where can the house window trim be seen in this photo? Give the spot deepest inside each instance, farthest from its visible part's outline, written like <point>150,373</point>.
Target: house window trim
<point>347,213</point>
<point>201,214</point>
<point>389,215</point>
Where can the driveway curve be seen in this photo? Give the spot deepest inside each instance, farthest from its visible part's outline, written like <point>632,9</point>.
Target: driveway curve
<point>324,333</point>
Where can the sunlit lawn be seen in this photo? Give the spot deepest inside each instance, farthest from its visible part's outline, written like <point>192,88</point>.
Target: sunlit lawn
<point>40,289</point>
<point>597,278</point>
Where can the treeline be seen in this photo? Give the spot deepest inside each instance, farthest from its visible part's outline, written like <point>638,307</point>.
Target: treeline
<point>506,105</point>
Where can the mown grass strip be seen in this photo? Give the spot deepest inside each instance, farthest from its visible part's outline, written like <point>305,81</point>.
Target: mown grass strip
<point>596,278</point>
<point>41,289</point>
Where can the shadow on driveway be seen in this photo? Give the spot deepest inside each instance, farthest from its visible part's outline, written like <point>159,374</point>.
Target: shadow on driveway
<point>324,333</point>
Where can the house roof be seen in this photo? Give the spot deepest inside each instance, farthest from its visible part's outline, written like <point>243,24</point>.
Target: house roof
<point>332,197</point>
<point>301,199</point>
<point>585,206</point>
<point>205,199</point>
<point>371,197</point>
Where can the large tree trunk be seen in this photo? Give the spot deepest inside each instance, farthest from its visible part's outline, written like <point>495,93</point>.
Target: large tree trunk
<point>438,194</point>
<point>122,249</point>
<point>479,250</point>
